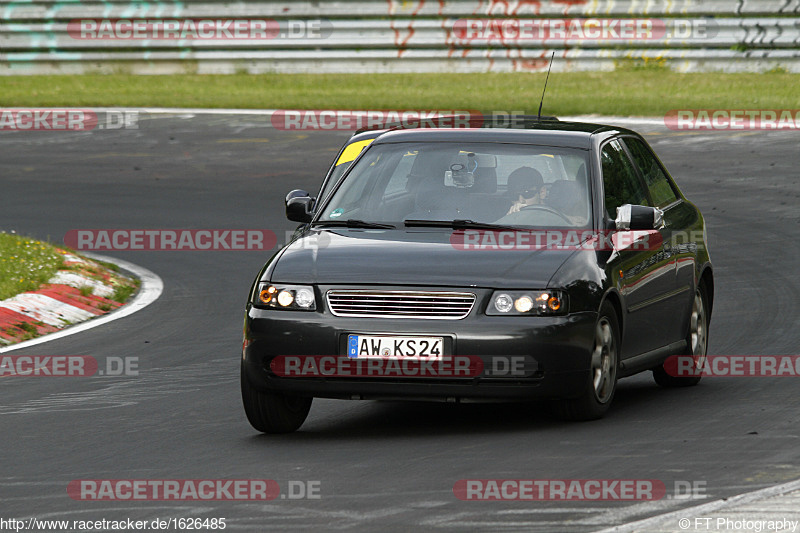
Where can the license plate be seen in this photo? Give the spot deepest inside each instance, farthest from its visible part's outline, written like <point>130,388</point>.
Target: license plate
<point>383,346</point>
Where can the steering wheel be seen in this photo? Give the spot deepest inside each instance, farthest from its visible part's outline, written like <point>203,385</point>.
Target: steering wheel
<point>548,210</point>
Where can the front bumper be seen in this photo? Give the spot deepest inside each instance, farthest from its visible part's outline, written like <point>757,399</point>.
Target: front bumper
<point>556,352</point>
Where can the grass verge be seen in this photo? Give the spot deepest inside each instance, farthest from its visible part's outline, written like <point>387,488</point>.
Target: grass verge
<point>626,91</point>
<point>25,264</point>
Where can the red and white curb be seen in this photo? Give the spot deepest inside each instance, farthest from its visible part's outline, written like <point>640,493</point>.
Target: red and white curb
<point>60,303</point>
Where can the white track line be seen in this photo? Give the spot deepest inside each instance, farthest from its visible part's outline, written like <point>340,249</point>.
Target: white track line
<point>717,505</point>
<point>149,291</point>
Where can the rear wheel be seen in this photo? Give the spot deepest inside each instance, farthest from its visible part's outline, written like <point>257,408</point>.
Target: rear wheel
<point>273,412</point>
<point>696,344</point>
<point>601,384</point>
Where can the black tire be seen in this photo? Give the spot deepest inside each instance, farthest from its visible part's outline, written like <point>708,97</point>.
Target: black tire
<point>272,412</point>
<point>601,384</point>
<point>696,344</point>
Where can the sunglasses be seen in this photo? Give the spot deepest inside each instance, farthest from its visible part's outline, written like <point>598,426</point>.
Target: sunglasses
<point>530,193</point>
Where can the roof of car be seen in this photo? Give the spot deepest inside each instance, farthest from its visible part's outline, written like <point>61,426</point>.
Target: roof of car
<point>524,129</point>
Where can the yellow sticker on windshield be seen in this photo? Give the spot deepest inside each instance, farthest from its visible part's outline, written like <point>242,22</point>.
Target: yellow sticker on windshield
<point>352,151</point>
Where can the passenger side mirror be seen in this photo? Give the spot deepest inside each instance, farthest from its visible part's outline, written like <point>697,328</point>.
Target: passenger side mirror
<point>298,206</point>
<point>639,217</point>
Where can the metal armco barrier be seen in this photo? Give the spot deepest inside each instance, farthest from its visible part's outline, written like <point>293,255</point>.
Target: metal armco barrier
<point>46,37</point>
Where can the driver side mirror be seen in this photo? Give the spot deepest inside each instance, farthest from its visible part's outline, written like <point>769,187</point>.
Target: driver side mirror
<point>639,217</point>
<point>298,206</point>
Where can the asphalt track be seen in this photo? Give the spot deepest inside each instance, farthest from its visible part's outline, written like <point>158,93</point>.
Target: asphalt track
<point>381,466</point>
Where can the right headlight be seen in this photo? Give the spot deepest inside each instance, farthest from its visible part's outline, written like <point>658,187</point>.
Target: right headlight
<point>537,303</point>
<point>282,296</point>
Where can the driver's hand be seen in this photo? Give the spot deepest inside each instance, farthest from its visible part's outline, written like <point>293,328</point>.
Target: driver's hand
<point>515,207</point>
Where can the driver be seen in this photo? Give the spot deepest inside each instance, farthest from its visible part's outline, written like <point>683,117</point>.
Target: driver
<point>525,187</point>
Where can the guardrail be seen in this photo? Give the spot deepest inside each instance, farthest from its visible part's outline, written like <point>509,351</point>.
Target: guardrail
<point>48,37</point>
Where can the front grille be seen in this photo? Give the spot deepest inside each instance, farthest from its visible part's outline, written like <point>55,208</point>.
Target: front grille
<point>401,304</point>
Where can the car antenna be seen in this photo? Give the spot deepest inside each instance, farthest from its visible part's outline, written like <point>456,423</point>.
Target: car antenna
<point>545,85</point>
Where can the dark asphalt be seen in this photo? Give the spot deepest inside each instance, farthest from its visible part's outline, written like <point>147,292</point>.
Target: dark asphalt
<point>381,466</point>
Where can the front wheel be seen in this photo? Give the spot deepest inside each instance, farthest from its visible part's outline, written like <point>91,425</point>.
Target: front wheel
<point>273,412</point>
<point>596,396</point>
<point>696,345</point>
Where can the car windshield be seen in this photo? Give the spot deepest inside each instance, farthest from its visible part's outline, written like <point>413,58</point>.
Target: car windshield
<point>490,183</point>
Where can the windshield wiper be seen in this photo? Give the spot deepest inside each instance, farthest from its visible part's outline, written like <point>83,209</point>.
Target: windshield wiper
<point>458,224</point>
<point>353,223</point>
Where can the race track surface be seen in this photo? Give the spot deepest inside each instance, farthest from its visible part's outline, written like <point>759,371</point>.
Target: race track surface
<point>381,465</point>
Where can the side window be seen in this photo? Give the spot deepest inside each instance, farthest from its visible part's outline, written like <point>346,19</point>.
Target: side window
<point>621,184</point>
<point>348,155</point>
<point>657,182</point>
<point>353,199</point>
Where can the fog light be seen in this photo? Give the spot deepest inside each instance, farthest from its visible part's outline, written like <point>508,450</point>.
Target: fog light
<point>285,298</point>
<point>503,303</point>
<point>304,298</point>
<point>523,304</point>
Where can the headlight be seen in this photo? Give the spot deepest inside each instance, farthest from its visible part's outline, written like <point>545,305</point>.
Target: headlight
<point>279,296</point>
<point>539,303</point>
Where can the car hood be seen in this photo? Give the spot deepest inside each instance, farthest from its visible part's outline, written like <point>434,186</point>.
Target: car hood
<point>415,256</point>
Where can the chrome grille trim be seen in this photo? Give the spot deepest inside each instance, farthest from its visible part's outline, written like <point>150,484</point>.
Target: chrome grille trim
<point>430,305</point>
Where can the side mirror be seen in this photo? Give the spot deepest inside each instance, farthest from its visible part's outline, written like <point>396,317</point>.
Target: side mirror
<point>298,209</point>
<point>297,193</point>
<point>639,217</point>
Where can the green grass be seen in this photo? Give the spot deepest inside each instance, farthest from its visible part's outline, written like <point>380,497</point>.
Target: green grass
<point>632,89</point>
<point>123,292</point>
<point>25,264</point>
<point>110,266</point>
<point>30,331</point>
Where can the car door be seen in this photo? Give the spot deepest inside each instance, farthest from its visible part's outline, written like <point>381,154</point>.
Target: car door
<point>644,276</point>
<point>678,244</point>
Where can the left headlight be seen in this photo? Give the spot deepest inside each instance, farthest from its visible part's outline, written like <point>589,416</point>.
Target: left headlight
<point>280,296</point>
<point>537,303</point>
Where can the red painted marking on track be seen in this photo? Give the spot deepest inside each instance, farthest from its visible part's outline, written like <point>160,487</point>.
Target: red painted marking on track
<point>75,300</point>
<point>9,317</point>
<point>73,291</point>
<point>10,330</point>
